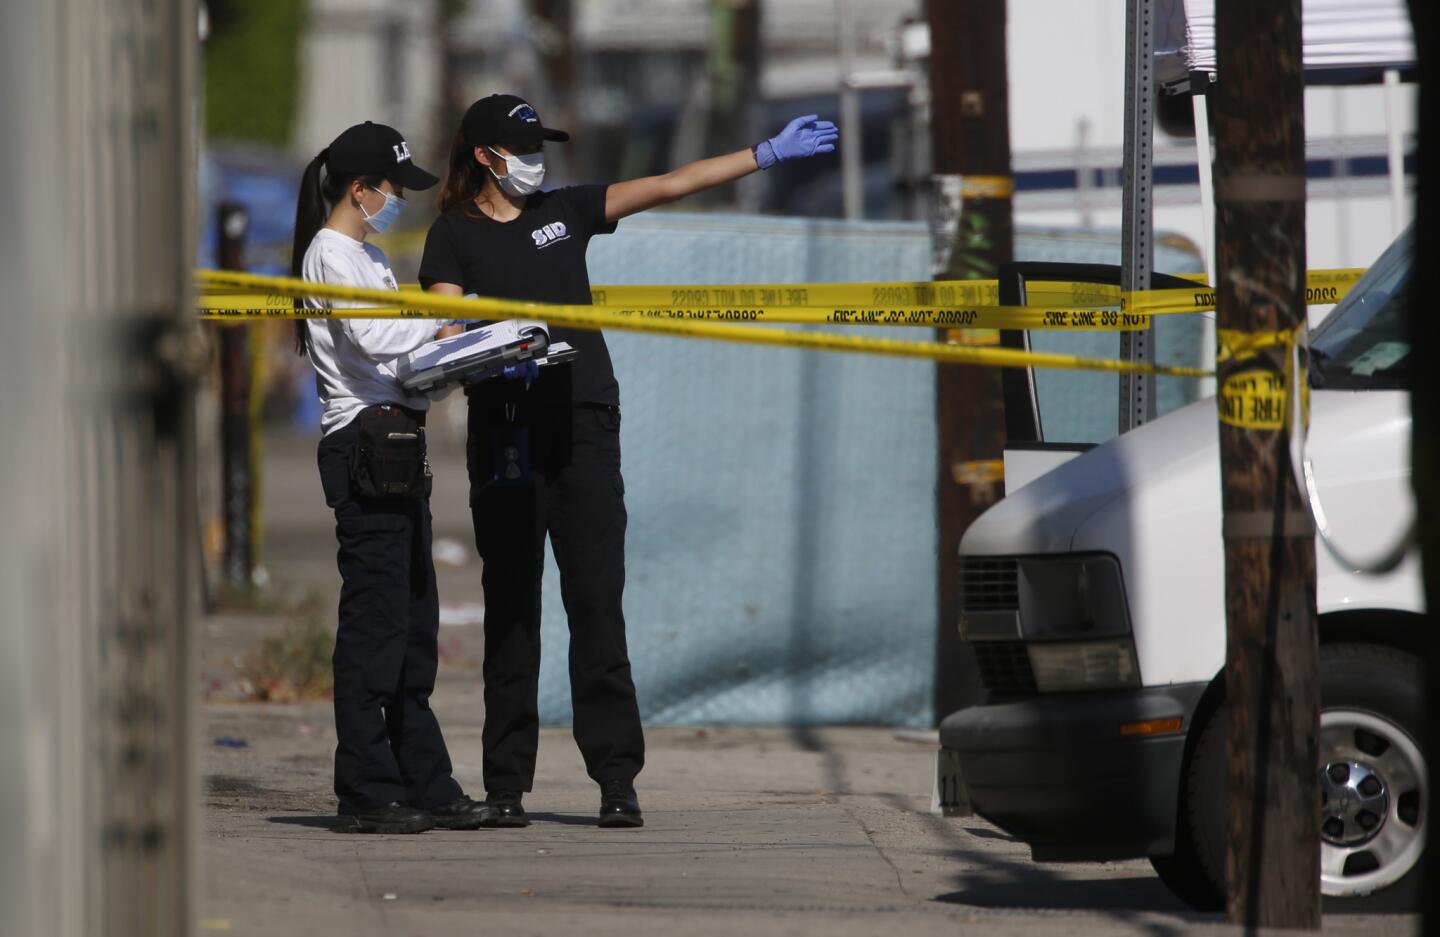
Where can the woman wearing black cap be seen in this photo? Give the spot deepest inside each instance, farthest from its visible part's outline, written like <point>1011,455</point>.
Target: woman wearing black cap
<point>500,235</point>
<point>392,771</point>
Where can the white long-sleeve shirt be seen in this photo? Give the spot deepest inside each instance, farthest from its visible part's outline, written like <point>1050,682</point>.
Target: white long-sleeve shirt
<point>351,356</point>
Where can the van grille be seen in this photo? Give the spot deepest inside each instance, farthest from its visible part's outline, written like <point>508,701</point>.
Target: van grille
<point>989,584</point>
<point>1004,666</point>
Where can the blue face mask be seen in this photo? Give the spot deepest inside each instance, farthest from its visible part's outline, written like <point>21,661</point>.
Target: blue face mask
<point>383,218</point>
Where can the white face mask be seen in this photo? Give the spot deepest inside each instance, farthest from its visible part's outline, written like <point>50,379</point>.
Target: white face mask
<point>523,173</point>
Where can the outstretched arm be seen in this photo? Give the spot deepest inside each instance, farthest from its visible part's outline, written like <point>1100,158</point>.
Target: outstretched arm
<point>802,137</point>
<point>626,198</point>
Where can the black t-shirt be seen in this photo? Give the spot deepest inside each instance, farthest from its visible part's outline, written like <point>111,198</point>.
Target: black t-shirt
<point>537,257</point>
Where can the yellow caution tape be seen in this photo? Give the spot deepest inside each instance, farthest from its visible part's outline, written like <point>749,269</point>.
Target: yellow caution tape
<point>973,336</point>
<point>978,472</point>
<point>930,294</point>
<point>1321,288</point>
<point>983,317</point>
<point>431,305</point>
<point>1258,398</point>
<point>957,304</point>
<point>1241,345</point>
<point>941,293</point>
<point>987,186</point>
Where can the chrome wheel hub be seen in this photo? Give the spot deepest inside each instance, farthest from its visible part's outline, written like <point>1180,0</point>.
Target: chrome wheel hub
<point>1374,793</point>
<point>1354,803</point>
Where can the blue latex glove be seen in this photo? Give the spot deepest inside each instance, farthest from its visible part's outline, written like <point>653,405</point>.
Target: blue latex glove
<point>802,138</point>
<point>525,371</point>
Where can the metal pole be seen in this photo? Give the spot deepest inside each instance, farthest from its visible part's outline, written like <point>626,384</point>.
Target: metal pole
<point>1205,165</point>
<point>1395,151</point>
<point>1272,666</point>
<point>1342,187</point>
<point>1137,234</point>
<point>1084,175</point>
<point>235,438</point>
<point>853,192</point>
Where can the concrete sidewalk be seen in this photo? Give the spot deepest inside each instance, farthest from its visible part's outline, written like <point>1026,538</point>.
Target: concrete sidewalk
<point>753,831</point>
<point>760,831</point>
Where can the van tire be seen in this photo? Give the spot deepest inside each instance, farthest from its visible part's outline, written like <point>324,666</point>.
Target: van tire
<point>1384,683</point>
<point>1380,681</point>
<point>1182,874</point>
<point>1203,807</point>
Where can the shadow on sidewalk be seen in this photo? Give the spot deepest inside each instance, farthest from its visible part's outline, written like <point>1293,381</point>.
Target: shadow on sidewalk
<point>1050,892</point>
<point>563,818</point>
<point>332,822</point>
<point>325,822</point>
<point>1015,883</point>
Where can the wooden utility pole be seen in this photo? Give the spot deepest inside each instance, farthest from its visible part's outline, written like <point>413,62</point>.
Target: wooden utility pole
<point>974,235</point>
<point>552,35</point>
<point>1272,663</point>
<point>452,91</point>
<point>732,63</point>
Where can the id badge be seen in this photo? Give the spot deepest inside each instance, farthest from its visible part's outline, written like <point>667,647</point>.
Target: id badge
<point>510,454</point>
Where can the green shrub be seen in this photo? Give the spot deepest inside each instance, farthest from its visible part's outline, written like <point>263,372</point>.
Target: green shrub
<point>252,70</point>
<point>294,664</point>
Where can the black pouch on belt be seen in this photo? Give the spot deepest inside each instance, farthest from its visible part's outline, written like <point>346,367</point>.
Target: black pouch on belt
<point>390,458</point>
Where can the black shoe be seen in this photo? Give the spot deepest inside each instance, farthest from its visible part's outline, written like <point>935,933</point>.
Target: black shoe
<point>391,818</point>
<point>619,807</point>
<point>461,814</point>
<point>504,810</point>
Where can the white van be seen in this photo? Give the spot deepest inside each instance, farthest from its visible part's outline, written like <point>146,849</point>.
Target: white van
<point>1093,599</point>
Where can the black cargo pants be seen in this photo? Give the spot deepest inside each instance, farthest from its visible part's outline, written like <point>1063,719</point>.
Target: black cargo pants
<point>389,746</point>
<point>576,496</point>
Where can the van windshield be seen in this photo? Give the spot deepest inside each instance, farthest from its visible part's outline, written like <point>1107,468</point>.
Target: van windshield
<point>1364,344</point>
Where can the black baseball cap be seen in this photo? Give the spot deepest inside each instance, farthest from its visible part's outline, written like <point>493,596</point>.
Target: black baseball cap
<point>371,149</point>
<point>505,118</point>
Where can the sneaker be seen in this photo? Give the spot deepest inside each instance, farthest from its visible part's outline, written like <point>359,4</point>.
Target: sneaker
<point>619,807</point>
<point>390,818</point>
<point>461,814</point>
<point>505,810</point>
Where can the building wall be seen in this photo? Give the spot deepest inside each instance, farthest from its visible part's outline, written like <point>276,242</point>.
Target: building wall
<point>1067,72</point>
<point>370,60</point>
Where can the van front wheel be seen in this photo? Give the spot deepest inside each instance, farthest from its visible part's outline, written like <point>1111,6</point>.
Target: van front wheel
<point>1373,781</point>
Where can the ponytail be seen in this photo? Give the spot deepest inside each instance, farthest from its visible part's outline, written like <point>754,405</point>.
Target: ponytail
<point>310,214</point>
<point>464,178</point>
<point>312,210</point>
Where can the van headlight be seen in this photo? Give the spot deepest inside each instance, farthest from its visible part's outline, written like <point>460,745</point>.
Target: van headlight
<point>1083,665</point>
<point>1074,594</point>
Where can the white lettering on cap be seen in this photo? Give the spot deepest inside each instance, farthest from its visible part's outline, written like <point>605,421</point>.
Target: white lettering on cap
<point>402,151</point>
<point>525,112</point>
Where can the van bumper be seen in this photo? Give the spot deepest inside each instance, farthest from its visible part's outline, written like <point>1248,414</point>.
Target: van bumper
<point>1054,770</point>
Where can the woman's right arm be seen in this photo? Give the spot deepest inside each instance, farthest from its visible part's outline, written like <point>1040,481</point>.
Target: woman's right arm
<point>440,265</point>
<point>446,289</point>
<point>802,137</point>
